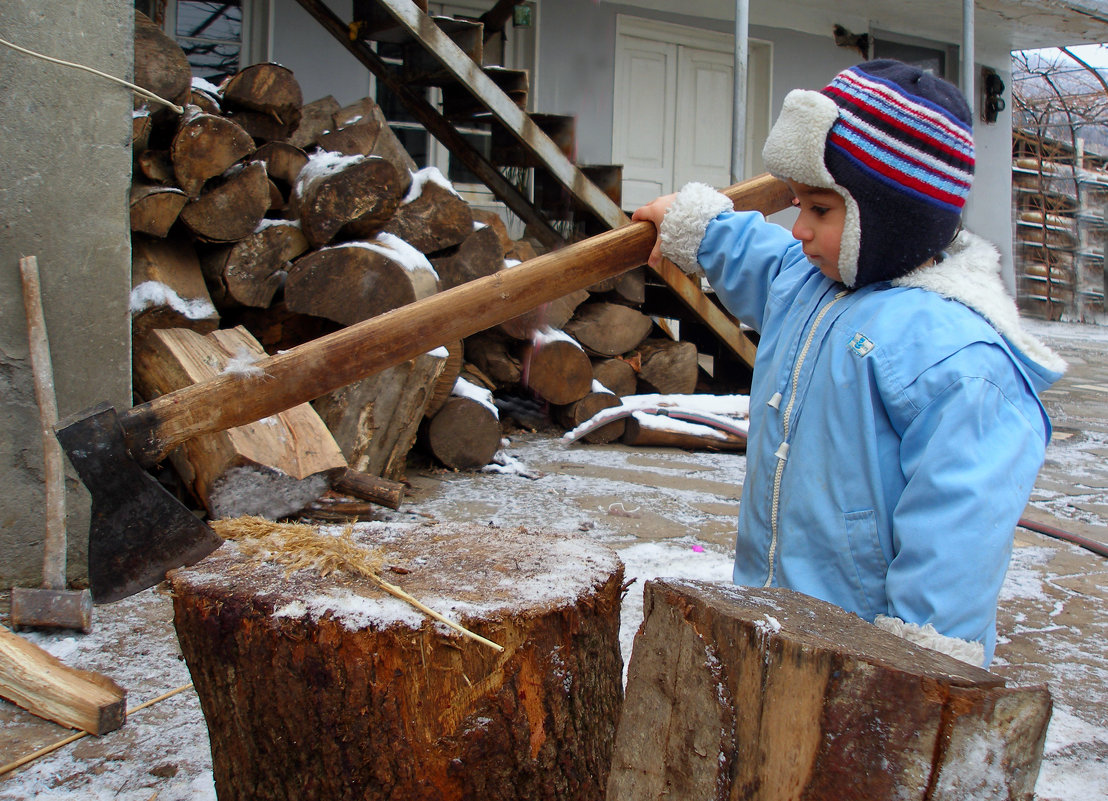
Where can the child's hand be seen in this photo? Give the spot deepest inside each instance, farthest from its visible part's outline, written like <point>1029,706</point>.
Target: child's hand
<point>653,212</point>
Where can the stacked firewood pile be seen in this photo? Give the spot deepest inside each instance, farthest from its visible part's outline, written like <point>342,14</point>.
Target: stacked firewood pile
<point>261,222</point>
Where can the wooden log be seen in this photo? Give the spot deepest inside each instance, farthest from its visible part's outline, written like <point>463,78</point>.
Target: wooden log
<point>478,255</point>
<point>161,66</point>
<point>554,314</point>
<point>496,223</point>
<point>231,208</point>
<point>385,142</point>
<point>330,689</point>
<point>157,167</point>
<point>608,329</point>
<point>432,215</point>
<point>40,683</point>
<point>279,329</point>
<point>333,190</point>
<point>315,118</point>
<point>349,140</point>
<point>283,163</point>
<point>355,281</point>
<point>154,209</point>
<point>375,421</point>
<point>168,288</point>
<point>141,127</point>
<point>767,694</point>
<point>272,467</point>
<point>668,367</point>
<point>646,430</point>
<point>368,487</point>
<point>267,89</point>
<point>491,352</point>
<point>444,385</point>
<point>616,374</point>
<point>521,250</point>
<point>573,414</point>
<point>465,433</point>
<point>251,271</point>
<point>204,146</point>
<point>556,368</point>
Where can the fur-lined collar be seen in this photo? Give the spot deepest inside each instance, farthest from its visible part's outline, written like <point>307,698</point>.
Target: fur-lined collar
<point>969,273</point>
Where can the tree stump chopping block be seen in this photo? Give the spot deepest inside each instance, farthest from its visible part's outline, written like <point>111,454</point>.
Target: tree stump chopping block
<point>328,688</point>
<point>768,694</point>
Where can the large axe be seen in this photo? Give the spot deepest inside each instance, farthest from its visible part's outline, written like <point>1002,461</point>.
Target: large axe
<point>138,530</point>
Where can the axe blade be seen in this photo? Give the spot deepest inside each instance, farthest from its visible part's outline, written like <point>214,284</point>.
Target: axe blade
<point>138,530</point>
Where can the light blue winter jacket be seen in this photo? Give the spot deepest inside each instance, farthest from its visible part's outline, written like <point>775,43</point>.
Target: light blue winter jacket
<point>895,434</point>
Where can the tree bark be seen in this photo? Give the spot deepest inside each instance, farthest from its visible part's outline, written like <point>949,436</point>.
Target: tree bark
<point>353,282</point>
<point>464,434</point>
<point>270,468</point>
<point>230,210</point>
<point>375,421</point>
<point>652,430</point>
<point>767,695</point>
<point>668,367</point>
<point>444,385</point>
<point>303,702</point>
<point>586,408</point>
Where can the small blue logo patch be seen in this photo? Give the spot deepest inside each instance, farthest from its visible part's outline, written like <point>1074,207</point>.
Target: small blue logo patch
<point>860,345</point>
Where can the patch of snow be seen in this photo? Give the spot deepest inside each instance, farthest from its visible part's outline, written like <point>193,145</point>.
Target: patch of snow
<point>421,178</point>
<point>155,293</point>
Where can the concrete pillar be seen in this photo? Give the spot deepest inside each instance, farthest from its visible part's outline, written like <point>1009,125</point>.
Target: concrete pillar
<point>63,199</point>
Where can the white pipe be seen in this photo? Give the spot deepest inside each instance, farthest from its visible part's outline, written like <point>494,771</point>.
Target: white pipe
<point>738,114</point>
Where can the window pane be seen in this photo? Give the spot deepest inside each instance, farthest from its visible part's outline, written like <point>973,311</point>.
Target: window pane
<point>208,20</point>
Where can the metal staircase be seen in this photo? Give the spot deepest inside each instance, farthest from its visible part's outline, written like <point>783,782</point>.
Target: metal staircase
<point>447,52</point>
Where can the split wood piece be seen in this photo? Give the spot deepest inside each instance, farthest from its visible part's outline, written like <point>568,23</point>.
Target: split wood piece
<point>268,89</point>
<point>375,489</point>
<point>491,352</point>
<point>355,281</point>
<point>646,430</point>
<point>161,66</point>
<point>608,329</point>
<point>141,126</point>
<point>283,163</point>
<point>204,146</point>
<point>250,272</point>
<point>444,385</point>
<point>261,127</point>
<point>557,369</point>
<point>156,166</point>
<point>352,695</point>
<point>631,287</point>
<point>521,250</point>
<point>206,101</point>
<point>230,208</point>
<point>316,117</point>
<point>554,314</point>
<point>375,421</point>
<point>154,209</point>
<point>616,374</point>
<point>270,468</point>
<point>334,190</point>
<point>278,329</point>
<point>767,694</point>
<point>478,255</point>
<point>668,367</point>
<point>496,223</point>
<point>385,143</point>
<point>435,219</point>
<point>40,683</point>
<point>464,434</point>
<point>584,409</point>
<point>168,288</point>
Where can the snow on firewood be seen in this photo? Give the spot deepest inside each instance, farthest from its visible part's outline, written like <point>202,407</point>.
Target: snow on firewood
<point>154,293</point>
<point>467,389</point>
<point>421,178</point>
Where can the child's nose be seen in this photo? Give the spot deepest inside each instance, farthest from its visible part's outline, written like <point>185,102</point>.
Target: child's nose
<point>801,231</point>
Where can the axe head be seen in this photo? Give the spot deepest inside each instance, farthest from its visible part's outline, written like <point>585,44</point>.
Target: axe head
<point>138,530</point>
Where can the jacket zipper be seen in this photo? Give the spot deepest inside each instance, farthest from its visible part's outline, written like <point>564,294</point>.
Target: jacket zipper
<point>782,451</point>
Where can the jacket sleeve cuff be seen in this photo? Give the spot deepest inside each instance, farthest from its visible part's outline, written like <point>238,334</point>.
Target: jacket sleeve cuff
<point>687,219</point>
<point>965,650</point>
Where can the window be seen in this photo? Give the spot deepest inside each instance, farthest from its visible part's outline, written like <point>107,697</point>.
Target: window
<point>934,57</point>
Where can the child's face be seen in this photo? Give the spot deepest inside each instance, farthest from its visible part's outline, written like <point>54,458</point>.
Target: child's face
<point>819,227</point>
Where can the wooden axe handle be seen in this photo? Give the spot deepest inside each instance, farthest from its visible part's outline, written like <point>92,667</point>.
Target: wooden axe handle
<point>154,428</point>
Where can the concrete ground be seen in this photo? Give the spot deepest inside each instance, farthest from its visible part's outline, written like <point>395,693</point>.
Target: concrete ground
<point>667,512</point>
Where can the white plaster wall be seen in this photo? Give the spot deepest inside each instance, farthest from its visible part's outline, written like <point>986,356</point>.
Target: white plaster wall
<point>321,65</point>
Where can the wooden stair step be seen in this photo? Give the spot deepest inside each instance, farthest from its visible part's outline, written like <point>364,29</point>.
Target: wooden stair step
<point>551,196</point>
<point>370,22</point>
<point>423,69</point>
<point>507,151</point>
<point>458,103</point>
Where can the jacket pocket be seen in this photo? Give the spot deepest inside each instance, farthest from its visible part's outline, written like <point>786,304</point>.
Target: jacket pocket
<point>870,566</point>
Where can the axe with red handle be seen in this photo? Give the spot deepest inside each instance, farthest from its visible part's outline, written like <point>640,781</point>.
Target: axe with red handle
<point>138,530</point>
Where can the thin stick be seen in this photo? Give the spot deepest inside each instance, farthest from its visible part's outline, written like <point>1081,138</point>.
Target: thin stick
<point>399,593</point>
<point>136,89</point>
<point>74,737</point>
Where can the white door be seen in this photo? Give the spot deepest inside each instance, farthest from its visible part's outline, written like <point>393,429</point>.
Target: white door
<point>673,107</point>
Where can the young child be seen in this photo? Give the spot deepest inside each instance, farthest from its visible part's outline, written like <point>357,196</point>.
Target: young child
<point>895,425</point>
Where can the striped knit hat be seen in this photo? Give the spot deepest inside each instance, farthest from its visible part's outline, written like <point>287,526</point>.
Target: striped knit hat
<point>897,144</point>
